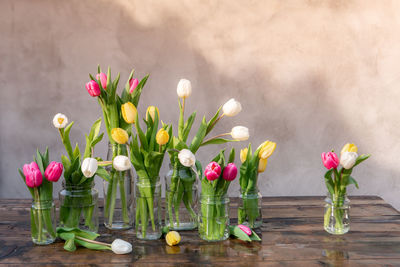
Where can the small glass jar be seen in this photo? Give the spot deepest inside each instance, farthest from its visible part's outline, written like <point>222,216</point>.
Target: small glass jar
<point>43,222</point>
<point>79,206</point>
<point>249,210</point>
<point>337,214</point>
<point>181,193</point>
<point>148,223</point>
<point>214,218</point>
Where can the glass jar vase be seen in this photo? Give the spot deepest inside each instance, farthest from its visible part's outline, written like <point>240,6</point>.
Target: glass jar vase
<point>79,206</point>
<point>249,210</point>
<point>181,193</point>
<point>337,214</point>
<point>148,225</point>
<point>214,218</point>
<point>118,193</point>
<point>43,222</point>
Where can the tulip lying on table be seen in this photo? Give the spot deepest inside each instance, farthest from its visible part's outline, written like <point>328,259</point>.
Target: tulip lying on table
<point>243,233</point>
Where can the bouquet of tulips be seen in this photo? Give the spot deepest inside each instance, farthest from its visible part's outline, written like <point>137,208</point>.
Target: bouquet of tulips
<point>336,181</point>
<point>214,216</point>
<point>252,165</point>
<point>39,177</point>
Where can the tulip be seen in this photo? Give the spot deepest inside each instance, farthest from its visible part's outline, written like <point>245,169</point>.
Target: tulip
<point>330,160</point>
<point>348,159</point>
<point>187,158</point>
<point>119,135</point>
<point>129,112</point>
<point>212,171</point>
<point>103,80</point>
<point>60,120</point>
<point>184,88</point>
<point>231,108</point>
<point>349,148</point>
<point>121,163</point>
<point>173,238</point>
<point>262,164</point>
<point>243,154</point>
<point>89,167</point>
<point>162,137</point>
<point>53,171</point>
<point>133,83</point>
<point>93,88</point>
<point>267,149</point>
<point>33,176</point>
<point>230,172</point>
<point>151,110</point>
<point>240,133</point>
<point>245,229</point>
<point>119,246</point>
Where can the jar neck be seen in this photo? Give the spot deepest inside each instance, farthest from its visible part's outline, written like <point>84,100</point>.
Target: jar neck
<point>153,182</point>
<point>253,191</point>
<point>83,187</point>
<point>337,199</point>
<point>117,149</point>
<point>214,199</point>
<point>43,204</point>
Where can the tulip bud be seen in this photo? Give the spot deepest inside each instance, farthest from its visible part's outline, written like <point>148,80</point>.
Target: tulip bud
<point>129,112</point>
<point>187,158</point>
<point>133,83</point>
<point>162,137</point>
<point>119,135</point>
<point>230,172</point>
<point>245,229</point>
<point>262,164</point>
<point>103,80</point>
<point>348,159</point>
<point>184,88</point>
<point>173,238</point>
<point>53,171</point>
<point>151,110</point>
<point>119,246</point>
<point>33,176</point>
<point>93,88</point>
<point>212,171</point>
<point>267,149</point>
<point>349,148</point>
<point>231,108</point>
<point>60,120</point>
<point>240,133</point>
<point>89,167</point>
<point>121,163</point>
<point>330,160</point>
<point>243,154</point>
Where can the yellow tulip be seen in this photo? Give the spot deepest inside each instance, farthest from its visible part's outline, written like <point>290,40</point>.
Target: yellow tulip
<point>129,112</point>
<point>262,164</point>
<point>151,110</point>
<point>267,149</point>
<point>119,135</point>
<point>162,137</point>
<point>173,238</point>
<point>243,154</point>
<point>349,148</point>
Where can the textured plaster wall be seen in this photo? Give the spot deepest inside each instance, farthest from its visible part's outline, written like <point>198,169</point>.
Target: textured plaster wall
<point>311,75</point>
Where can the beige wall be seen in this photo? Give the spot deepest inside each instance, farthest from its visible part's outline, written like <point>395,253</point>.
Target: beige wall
<point>311,75</point>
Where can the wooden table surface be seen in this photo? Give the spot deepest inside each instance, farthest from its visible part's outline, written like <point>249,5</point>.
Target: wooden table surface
<point>292,235</point>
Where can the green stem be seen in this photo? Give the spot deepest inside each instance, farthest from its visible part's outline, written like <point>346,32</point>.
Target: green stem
<point>38,215</point>
<point>114,181</point>
<point>124,207</point>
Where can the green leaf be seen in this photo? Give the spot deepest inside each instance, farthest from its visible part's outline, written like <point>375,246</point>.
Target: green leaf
<point>39,161</point>
<point>24,180</point>
<point>217,141</point>
<point>76,177</point>
<point>66,163</point>
<point>351,180</point>
<point>138,91</point>
<point>212,122</point>
<point>232,156</point>
<point>361,159</point>
<point>94,131</point>
<point>254,236</point>
<point>103,174</point>
<point>198,139</point>
<point>142,137</point>
<point>199,169</point>
<point>77,152</point>
<point>46,157</point>
<point>328,182</point>
<point>70,245</point>
<point>188,126</point>
<point>97,140</point>
<point>238,233</point>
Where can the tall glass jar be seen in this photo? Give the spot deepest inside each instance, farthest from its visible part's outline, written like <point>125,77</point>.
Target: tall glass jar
<point>43,222</point>
<point>148,223</point>
<point>79,206</point>
<point>249,210</point>
<point>181,192</point>
<point>337,215</point>
<point>118,196</point>
<point>214,218</point>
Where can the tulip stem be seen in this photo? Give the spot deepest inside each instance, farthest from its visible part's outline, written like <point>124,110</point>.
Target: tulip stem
<point>183,106</point>
<point>92,241</point>
<point>104,163</point>
<point>215,137</point>
<point>215,122</point>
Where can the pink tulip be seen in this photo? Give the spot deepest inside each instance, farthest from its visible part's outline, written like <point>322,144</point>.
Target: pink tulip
<point>103,79</point>
<point>53,171</point>
<point>93,88</point>
<point>245,229</point>
<point>33,176</point>
<point>212,171</point>
<point>133,83</point>
<point>230,172</point>
<point>330,160</point>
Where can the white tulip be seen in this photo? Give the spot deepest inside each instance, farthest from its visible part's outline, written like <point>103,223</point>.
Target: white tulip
<point>89,167</point>
<point>187,158</point>
<point>240,133</point>
<point>121,163</point>
<point>60,120</point>
<point>348,159</point>
<point>119,246</point>
<point>184,88</point>
<point>231,108</point>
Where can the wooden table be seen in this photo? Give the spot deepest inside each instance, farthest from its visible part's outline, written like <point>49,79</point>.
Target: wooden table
<point>292,235</point>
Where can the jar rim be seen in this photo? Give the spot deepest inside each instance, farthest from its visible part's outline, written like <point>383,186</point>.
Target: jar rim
<point>77,187</point>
